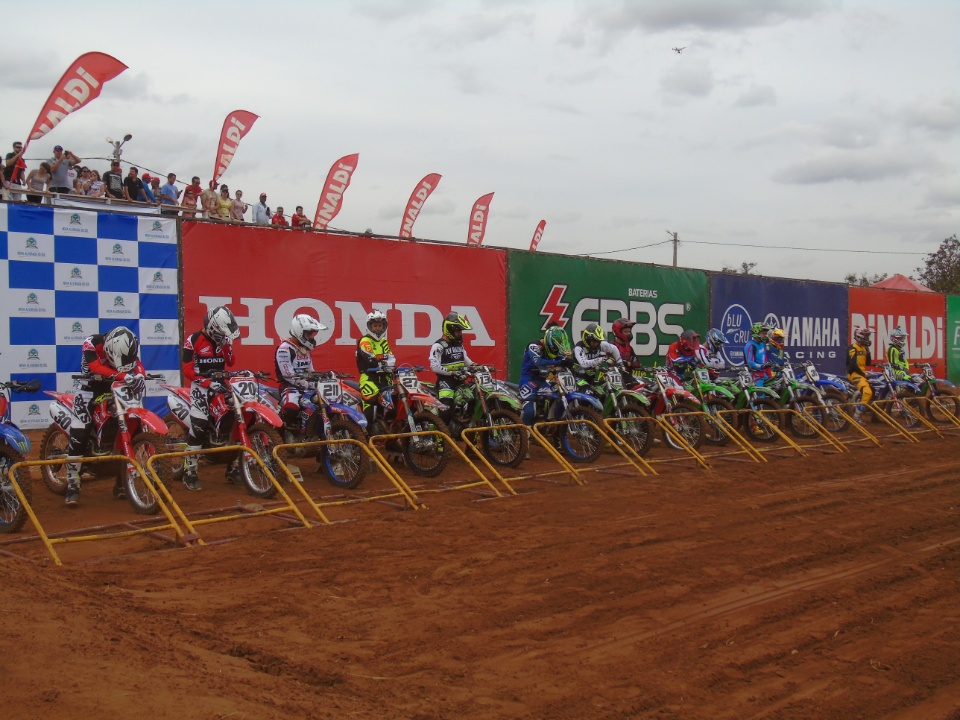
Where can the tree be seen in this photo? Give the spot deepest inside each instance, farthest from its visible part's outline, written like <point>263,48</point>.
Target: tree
<point>863,280</point>
<point>941,271</point>
<point>744,269</point>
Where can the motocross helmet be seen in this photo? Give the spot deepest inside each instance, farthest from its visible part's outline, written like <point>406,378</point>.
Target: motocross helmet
<point>898,337</point>
<point>758,331</point>
<point>377,316</point>
<point>593,335</point>
<point>689,341</point>
<point>715,339</point>
<point>121,348</point>
<point>777,337</point>
<point>304,329</point>
<point>220,325</point>
<point>555,342</point>
<point>861,335</point>
<point>623,329</point>
<point>453,326</point>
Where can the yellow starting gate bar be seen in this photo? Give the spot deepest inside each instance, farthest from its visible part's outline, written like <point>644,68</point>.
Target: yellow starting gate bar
<point>728,428</point>
<point>677,437</point>
<point>604,438</point>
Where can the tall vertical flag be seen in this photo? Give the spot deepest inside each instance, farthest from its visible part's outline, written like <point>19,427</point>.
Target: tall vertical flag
<point>235,126</point>
<point>336,184</point>
<point>537,234</point>
<point>478,219</point>
<point>417,198</point>
<point>80,84</point>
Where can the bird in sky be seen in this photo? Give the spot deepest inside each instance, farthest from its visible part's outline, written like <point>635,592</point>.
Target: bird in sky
<point>679,49</point>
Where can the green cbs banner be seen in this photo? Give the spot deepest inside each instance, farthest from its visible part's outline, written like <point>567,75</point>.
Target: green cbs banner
<point>953,338</point>
<point>573,291</point>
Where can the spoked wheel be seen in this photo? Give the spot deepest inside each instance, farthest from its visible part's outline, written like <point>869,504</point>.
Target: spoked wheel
<point>12,512</point>
<point>504,447</point>
<point>905,409</point>
<point>833,419</point>
<point>426,455</point>
<point>684,420</point>
<point>807,411</point>
<point>258,482</point>
<point>54,447</point>
<point>635,428</point>
<point>757,422</point>
<point>715,407</point>
<point>943,407</point>
<point>344,463</point>
<point>579,441</point>
<point>139,494</point>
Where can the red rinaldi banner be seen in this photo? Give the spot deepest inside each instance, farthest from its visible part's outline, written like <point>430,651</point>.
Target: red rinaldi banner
<point>336,184</point>
<point>235,126</point>
<point>80,84</point>
<point>921,315</point>
<point>415,204</point>
<point>478,219</point>
<point>537,234</point>
<point>269,275</point>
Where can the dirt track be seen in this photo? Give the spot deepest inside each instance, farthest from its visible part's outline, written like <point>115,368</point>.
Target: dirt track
<point>825,587</point>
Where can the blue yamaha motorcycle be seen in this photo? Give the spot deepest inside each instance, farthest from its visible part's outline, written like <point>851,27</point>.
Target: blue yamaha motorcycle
<point>15,446</point>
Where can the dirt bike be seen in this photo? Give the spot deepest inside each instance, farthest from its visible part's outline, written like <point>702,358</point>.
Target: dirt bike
<point>406,407</point>
<point>238,415</point>
<point>716,400</point>
<point>561,399</point>
<point>481,402</point>
<point>800,396</point>
<point>620,402</point>
<point>120,426</point>
<point>942,401</point>
<point>758,406</point>
<point>902,396</point>
<point>835,392</point>
<point>668,397</point>
<point>14,448</point>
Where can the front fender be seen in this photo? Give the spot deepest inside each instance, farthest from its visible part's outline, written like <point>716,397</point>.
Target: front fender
<point>149,421</point>
<point>583,397</point>
<point>14,437</point>
<point>761,390</point>
<point>899,384</point>
<point>261,412</point>
<point>358,417</point>
<point>636,397</point>
<point>504,398</point>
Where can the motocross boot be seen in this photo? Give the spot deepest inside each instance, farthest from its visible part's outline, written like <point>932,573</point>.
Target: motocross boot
<point>234,476</point>
<point>73,484</point>
<point>190,469</point>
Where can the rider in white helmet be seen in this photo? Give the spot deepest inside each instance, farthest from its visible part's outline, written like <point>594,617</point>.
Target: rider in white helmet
<point>373,352</point>
<point>293,362</point>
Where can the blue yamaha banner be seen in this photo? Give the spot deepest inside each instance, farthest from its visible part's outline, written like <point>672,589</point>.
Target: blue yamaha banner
<point>813,314</point>
<point>67,274</point>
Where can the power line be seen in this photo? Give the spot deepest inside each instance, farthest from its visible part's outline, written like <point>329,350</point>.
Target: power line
<point>762,247</point>
<point>638,247</point>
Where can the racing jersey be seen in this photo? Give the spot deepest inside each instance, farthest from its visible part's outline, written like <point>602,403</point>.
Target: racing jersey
<point>536,364</point>
<point>291,362</point>
<point>448,356</point>
<point>94,362</point>
<point>588,361</point>
<point>371,352</point>
<point>897,358</point>
<point>201,356</point>
<point>679,358</point>
<point>858,359</point>
<point>629,357</point>
<point>713,360</point>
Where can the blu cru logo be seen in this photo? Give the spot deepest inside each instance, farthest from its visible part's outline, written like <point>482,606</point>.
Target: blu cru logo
<point>735,326</point>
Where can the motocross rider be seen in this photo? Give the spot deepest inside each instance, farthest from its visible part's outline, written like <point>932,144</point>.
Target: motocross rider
<point>540,357</point>
<point>205,352</point>
<point>448,359</point>
<point>622,339</point>
<point>373,350</point>
<point>858,360</point>
<point>593,353</point>
<point>682,353</point>
<point>896,356</point>
<point>708,354</point>
<point>776,339</point>
<point>292,362</point>
<point>755,353</point>
<point>114,356</point>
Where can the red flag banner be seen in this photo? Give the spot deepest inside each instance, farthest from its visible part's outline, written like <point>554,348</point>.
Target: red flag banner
<point>537,234</point>
<point>235,126</point>
<point>417,198</point>
<point>478,219</point>
<point>338,180</point>
<point>81,83</point>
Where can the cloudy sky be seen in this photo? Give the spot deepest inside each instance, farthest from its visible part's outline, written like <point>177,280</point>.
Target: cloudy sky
<point>815,124</point>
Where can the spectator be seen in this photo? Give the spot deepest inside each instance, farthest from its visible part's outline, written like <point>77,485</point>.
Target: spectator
<point>195,186</point>
<point>156,190</point>
<point>73,174</point>
<point>261,212</point>
<point>113,181</point>
<point>189,200</point>
<point>169,194</point>
<point>97,188</point>
<point>209,200</point>
<point>225,204</point>
<point>300,221</point>
<point>146,195</point>
<point>239,206</point>
<point>133,186</point>
<point>15,170</point>
<point>78,187</point>
<point>60,165</point>
<point>38,180</point>
<point>279,219</point>
<point>84,179</point>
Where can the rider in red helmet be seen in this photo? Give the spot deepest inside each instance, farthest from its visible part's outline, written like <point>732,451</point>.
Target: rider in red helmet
<point>682,354</point>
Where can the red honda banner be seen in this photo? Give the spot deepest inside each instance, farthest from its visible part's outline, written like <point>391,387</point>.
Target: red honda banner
<point>537,234</point>
<point>80,84</point>
<point>478,219</point>
<point>417,198</point>
<point>337,182</point>
<point>235,126</point>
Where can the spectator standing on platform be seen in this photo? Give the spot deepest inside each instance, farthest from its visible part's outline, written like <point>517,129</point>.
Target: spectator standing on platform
<point>170,194</point>
<point>133,186</point>
<point>279,219</point>
<point>38,180</point>
<point>239,206</point>
<point>155,189</point>
<point>189,200</point>
<point>113,181</point>
<point>97,188</point>
<point>261,211</point>
<point>60,165</point>
<point>195,186</point>
<point>15,170</point>
<point>299,221</point>
<point>209,199</point>
<point>225,204</point>
<point>147,195</point>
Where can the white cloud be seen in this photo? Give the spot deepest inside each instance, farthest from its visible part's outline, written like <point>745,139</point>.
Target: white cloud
<point>687,80</point>
<point>938,113</point>
<point>756,96</point>
<point>856,166</point>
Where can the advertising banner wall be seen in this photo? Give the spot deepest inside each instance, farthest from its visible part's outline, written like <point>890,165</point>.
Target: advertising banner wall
<point>953,338</point>
<point>921,315</point>
<point>67,274</point>
<point>575,291</point>
<point>269,275</point>
<point>814,316</point>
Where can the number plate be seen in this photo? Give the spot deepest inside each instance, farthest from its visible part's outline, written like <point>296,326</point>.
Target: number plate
<point>329,390</point>
<point>788,372</point>
<point>411,382</point>
<point>812,374</point>
<point>745,377</point>
<point>485,380</point>
<point>928,372</point>
<point>614,377</point>
<point>127,396</point>
<point>567,381</point>
<point>245,389</point>
<point>703,375</point>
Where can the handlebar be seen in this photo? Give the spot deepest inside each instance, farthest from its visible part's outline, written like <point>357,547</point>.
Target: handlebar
<point>326,375</point>
<point>921,366</point>
<point>19,386</point>
<point>96,377</point>
<point>227,374</point>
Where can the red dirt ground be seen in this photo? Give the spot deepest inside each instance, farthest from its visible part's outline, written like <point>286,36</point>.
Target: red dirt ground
<point>824,587</point>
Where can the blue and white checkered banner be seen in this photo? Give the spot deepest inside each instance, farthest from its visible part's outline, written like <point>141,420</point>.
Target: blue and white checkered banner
<point>67,274</point>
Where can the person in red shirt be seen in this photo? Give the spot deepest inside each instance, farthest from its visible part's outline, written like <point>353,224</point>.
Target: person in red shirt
<point>279,219</point>
<point>195,186</point>
<point>299,220</point>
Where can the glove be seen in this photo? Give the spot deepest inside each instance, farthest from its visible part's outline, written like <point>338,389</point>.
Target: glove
<point>136,382</point>
<point>461,375</point>
<point>216,387</point>
<point>566,362</point>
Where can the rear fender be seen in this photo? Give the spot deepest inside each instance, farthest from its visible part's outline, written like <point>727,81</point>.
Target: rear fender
<point>901,384</point>
<point>504,398</point>
<point>426,400</point>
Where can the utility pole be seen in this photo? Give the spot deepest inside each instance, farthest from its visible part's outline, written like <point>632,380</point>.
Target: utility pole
<point>675,244</point>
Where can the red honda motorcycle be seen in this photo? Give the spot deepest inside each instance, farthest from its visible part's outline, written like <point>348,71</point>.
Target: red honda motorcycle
<point>668,397</point>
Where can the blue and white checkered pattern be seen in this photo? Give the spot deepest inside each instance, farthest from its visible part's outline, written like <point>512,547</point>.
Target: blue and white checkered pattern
<point>67,274</point>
